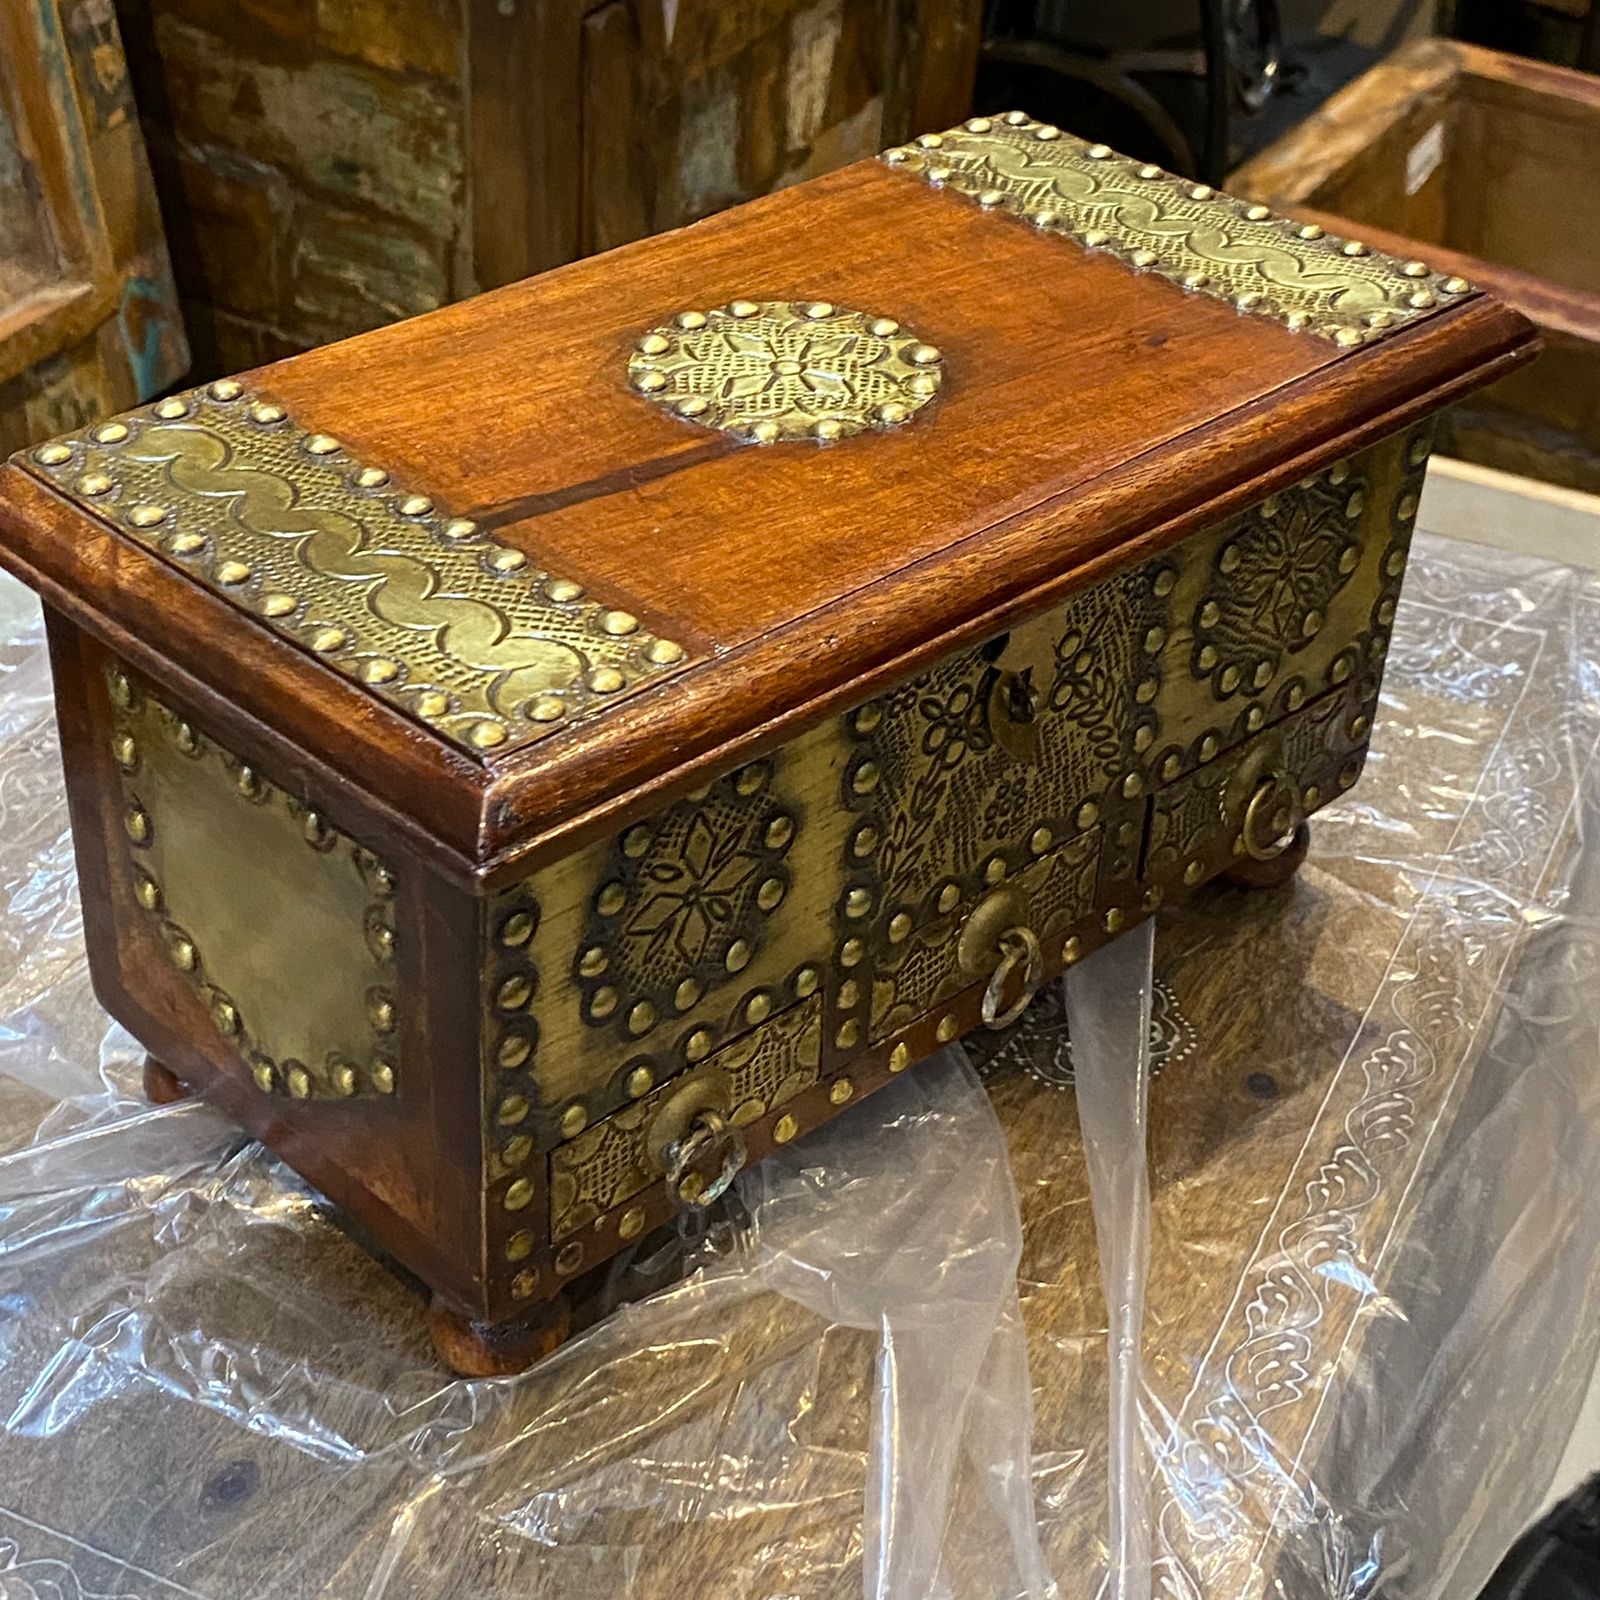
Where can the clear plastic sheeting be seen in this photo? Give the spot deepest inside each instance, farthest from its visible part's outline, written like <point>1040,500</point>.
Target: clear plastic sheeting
<point>1371,1301</point>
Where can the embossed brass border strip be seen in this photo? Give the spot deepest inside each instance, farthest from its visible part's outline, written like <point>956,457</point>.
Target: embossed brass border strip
<point>1201,239</point>
<point>339,1079</point>
<point>421,608</point>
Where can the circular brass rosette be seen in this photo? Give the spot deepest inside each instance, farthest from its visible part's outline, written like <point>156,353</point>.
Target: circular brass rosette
<point>774,370</point>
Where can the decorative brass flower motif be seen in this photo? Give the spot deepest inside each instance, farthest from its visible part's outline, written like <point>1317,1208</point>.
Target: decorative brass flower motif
<point>775,370</point>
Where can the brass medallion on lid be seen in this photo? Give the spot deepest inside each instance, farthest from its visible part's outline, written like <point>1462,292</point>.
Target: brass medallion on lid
<point>776,370</point>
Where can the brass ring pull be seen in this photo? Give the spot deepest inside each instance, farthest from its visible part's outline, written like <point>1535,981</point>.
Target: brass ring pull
<point>1018,946</point>
<point>709,1131</point>
<point>1271,818</point>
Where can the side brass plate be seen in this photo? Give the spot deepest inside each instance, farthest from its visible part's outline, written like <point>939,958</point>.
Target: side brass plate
<point>1203,240</point>
<point>283,925</point>
<point>421,608</point>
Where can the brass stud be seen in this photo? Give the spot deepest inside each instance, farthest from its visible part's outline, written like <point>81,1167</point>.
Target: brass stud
<point>1258,213</point>
<point>893,411</point>
<point>95,483</point>
<point>1132,786</point>
<point>857,903</point>
<point>640,1082</point>
<point>1406,509</point>
<point>994,870</point>
<point>52,455</point>
<point>1071,950</point>
<point>513,1051</point>
<point>606,680</point>
<point>687,994</point>
<point>519,1246</point>
<point>1194,872</point>
<point>1455,286</point>
<point>569,1259</point>
<point>1098,152</point>
<point>752,779</point>
<point>784,1129</point>
<point>849,1034</point>
<point>641,1018</point>
<point>1114,919</point>
<point>1311,624</point>
<point>1386,612</point>
<point>818,309</point>
<point>1312,797</point>
<point>849,994</point>
<point>1152,897</point>
<point>125,751</point>
<point>758,1007</point>
<point>865,840</point>
<point>866,718</point>
<point>738,956</point>
<point>574,1120</point>
<point>547,709</point>
<point>1171,766</point>
<point>698,1045</point>
<point>298,1079</point>
<point>865,778</point>
<point>619,623</point>
<point>265,414</point>
<point>370,478</point>
<point>827,430</point>
<point>779,832</point>
<point>1340,670</point>
<point>1088,814</point>
<point>603,1002</point>
<point>1208,746</point>
<point>276,606</point>
<point>563,590</point>
<point>1164,582</point>
<point>265,1075</point>
<point>743,308</point>
<point>226,389</point>
<point>1262,675</point>
<point>1154,640</point>
<point>636,841</point>
<point>593,961</point>
<point>654,344</point>
<point>611,899</point>
<point>851,952</point>
<point>147,892</point>
<point>1210,614</point>
<point>1206,658</point>
<point>518,1195</point>
<point>137,824</point>
<point>900,1057</point>
<point>147,516</point>
<point>947,1029</point>
<point>1349,773</point>
<point>524,1284</point>
<point>841,1091</point>
<point>806,981</point>
<point>507,561</point>
<point>631,1224</point>
<point>171,410</point>
<point>1415,269</point>
<point>224,1015</point>
<point>770,894</point>
<point>184,955</point>
<point>511,1110</point>
<point>517,930</point>
<point>1254,717</point>
<point>923,355</point>
<point>1147,690</point>
<point>693,405</point>
<point>1355,248</point>
<point>514,993</point>
<point>1358,727</point>
<point>326,640</point>
<point>1295,698</point>
<point>949,897</point>
<point>1229,681</point>
<point>322,444</point>
<point>233,573</point>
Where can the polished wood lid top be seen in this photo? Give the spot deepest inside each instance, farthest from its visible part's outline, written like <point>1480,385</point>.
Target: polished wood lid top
<point>567,544</point>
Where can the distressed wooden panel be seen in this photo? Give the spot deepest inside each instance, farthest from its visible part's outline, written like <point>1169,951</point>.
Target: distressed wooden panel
<point>329,166</point>
<point>88,314</point>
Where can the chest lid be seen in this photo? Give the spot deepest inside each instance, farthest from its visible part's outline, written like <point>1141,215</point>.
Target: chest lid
<point>523,563</point>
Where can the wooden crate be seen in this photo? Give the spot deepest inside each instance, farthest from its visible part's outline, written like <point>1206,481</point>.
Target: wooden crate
<point>329,168</point>
<point>1489,166</point>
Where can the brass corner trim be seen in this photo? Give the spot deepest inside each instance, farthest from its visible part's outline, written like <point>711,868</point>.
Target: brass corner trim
<point>422,609</point>
<point>1205,241</point>
<point>770,371</point>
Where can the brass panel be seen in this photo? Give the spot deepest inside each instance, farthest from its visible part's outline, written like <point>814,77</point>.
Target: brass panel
<point>423,609</point>
<point>768,370</point>
<point>1206,242</point>
<point>283,926</point>
<point>611,1162</point>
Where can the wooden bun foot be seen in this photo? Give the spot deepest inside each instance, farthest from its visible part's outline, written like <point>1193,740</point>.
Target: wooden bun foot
<point>161,1087</point>
<point>1250,874</point>
<point>497,1349</point>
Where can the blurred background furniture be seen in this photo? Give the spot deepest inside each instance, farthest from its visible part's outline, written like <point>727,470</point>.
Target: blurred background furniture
<point>89,320</point>
<point>1488,166</point>
<point>327,166</point>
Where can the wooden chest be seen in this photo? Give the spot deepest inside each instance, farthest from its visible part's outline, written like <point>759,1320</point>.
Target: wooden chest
<point>529,761</point>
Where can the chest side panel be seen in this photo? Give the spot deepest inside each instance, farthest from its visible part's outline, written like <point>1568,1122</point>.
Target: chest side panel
<point>770,943</point>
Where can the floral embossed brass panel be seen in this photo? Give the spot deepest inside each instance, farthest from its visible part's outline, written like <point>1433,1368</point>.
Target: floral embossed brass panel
<point>1205,241</point>
<point>283,926</point>
<point>767,371</point>
<point>419,607</point>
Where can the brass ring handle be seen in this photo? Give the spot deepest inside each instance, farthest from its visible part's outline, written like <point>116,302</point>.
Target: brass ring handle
<point>1271,818</point>
<point>709,1130</point>
<point>1017,946</point>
